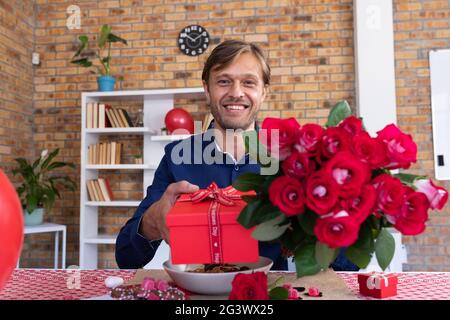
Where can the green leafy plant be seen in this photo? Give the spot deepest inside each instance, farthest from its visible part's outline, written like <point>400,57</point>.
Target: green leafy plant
<point>39,188</point>
<point>83,54</point>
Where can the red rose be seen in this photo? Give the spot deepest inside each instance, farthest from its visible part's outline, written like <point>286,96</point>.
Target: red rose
<point>279,135</point>
<point>333,141</point>
<point>321,192</point>
<point>437,196</point>
<point>401,149</point>
<point>390,193</point>
<point>349,173</point>
<point>352,125</point>
<point>361,207</point>
<point>309,138</point>
<point>340,230</point>
<point>370,150</point>
<point>413,213</point>
<point>288,195</point>
<point>298,165</point>
<point>252,286</point>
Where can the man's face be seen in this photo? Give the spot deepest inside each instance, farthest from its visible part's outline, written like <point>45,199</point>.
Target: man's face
<point>236,92</point>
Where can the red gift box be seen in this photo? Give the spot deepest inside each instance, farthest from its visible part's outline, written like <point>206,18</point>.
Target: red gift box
<point>203,228</point>
<point>378,285</point>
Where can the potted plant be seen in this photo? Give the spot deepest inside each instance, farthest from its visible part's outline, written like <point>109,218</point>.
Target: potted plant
<point>138,159</point>
<point>39,189</point>
<point>83,56</point>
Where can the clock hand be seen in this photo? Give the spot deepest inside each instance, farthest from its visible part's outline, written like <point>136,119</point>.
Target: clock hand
<point>198,37</point>
<point>190,38</point>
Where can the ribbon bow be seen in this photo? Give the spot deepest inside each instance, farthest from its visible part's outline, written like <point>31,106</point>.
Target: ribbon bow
<point>373,281</point>
<point>223,196</point>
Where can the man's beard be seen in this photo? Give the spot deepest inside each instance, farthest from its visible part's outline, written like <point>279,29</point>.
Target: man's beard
<point>232,123</point>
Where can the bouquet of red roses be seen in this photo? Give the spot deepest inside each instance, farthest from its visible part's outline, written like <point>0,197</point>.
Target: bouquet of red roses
<point>334,189</point>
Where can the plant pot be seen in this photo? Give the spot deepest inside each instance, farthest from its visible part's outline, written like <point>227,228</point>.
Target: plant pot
<point>106,83</point>
<point>35,218</point>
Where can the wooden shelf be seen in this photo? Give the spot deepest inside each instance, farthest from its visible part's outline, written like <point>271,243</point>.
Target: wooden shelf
<point>130,130</point>
<point>120,166</point>
<point>172,137</point>
<point>101,239</point>
<point>126,203</point>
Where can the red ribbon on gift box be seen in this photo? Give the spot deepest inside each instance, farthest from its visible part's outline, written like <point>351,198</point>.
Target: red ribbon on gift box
<point>219,197</point>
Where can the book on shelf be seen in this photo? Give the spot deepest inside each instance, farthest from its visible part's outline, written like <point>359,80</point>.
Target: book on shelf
<point>112,118</point>
<point>99,190</point>
<point>104,153</point>
<point>126,117</point>
<point>89,115</point>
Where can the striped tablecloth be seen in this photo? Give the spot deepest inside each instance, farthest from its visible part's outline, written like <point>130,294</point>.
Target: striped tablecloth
<point>47,284</point>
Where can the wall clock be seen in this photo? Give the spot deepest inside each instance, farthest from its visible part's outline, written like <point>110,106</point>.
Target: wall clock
<point>193,40</point>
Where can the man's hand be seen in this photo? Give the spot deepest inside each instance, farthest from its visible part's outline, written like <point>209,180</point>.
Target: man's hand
<point>153,224</point>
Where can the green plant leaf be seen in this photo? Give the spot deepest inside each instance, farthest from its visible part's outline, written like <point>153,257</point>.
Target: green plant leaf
<point>114,38</point>
<point>361,251</point>
<point>49,158</point>
<point>266,212</point>
<point>249,199</point>
<point>246,217</point>
<point>278,293</point>
<point>258,150</point>
<point>270,230</point>
<point>324,255</point>
<point>83,44</point>
<point>338,113</point>
<point>84,62</point>
<point>104,33</point>
<point>305,261</point>
<point>55,165</point>
<point>307,221</point>
<point>408,179</point>
<point>294,236</point>
<point>248,181</point>
<point>384,248</point>
<point>32,202</point>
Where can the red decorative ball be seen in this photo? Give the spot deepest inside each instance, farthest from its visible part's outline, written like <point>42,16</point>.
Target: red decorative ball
<point>11,228</point>
<point>178,118</point>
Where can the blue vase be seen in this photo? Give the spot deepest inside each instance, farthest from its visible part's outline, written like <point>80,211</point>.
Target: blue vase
<point>106,83</point>
<point>35,218</point>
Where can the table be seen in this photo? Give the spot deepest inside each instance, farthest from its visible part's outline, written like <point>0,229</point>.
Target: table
<point>30,284</point>
<point>51,227</point>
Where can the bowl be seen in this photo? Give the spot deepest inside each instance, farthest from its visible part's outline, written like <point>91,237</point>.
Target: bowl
<point>211,283</point>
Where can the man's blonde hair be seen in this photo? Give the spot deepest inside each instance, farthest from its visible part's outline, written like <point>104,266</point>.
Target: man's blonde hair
<point>224,54</point>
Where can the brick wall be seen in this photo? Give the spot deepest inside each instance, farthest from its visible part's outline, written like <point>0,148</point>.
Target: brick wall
<point>310,49</point>
<point>419,27</point>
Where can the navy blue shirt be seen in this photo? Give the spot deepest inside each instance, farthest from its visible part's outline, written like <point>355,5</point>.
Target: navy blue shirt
<point>133,251</point>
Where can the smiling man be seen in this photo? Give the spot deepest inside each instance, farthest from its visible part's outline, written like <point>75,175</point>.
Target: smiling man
<point>236,79</point>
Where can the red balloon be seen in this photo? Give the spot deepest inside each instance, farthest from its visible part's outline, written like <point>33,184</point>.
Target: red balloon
<point>11,228</point>
<point>178,118</point>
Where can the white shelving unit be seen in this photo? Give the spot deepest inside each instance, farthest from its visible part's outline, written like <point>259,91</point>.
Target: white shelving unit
<point>156,103</point>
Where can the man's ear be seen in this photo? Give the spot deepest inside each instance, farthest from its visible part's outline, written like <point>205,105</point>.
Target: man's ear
<point>207,95</point>
<point>265,92</point>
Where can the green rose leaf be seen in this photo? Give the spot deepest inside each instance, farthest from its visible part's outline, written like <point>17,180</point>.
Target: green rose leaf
<point>247,217</point>
<point>249,199</point>
<point>278,293</point>
<point>324,255</point>
<point>305,261</point>
<point>384,248</point>
<point>338,113</point>
<point>307,221</point>
<point>361,251</point>
<point>248,181</point>
<point>270,230</point>
<point>408,179</point>
<point>257,150</point>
